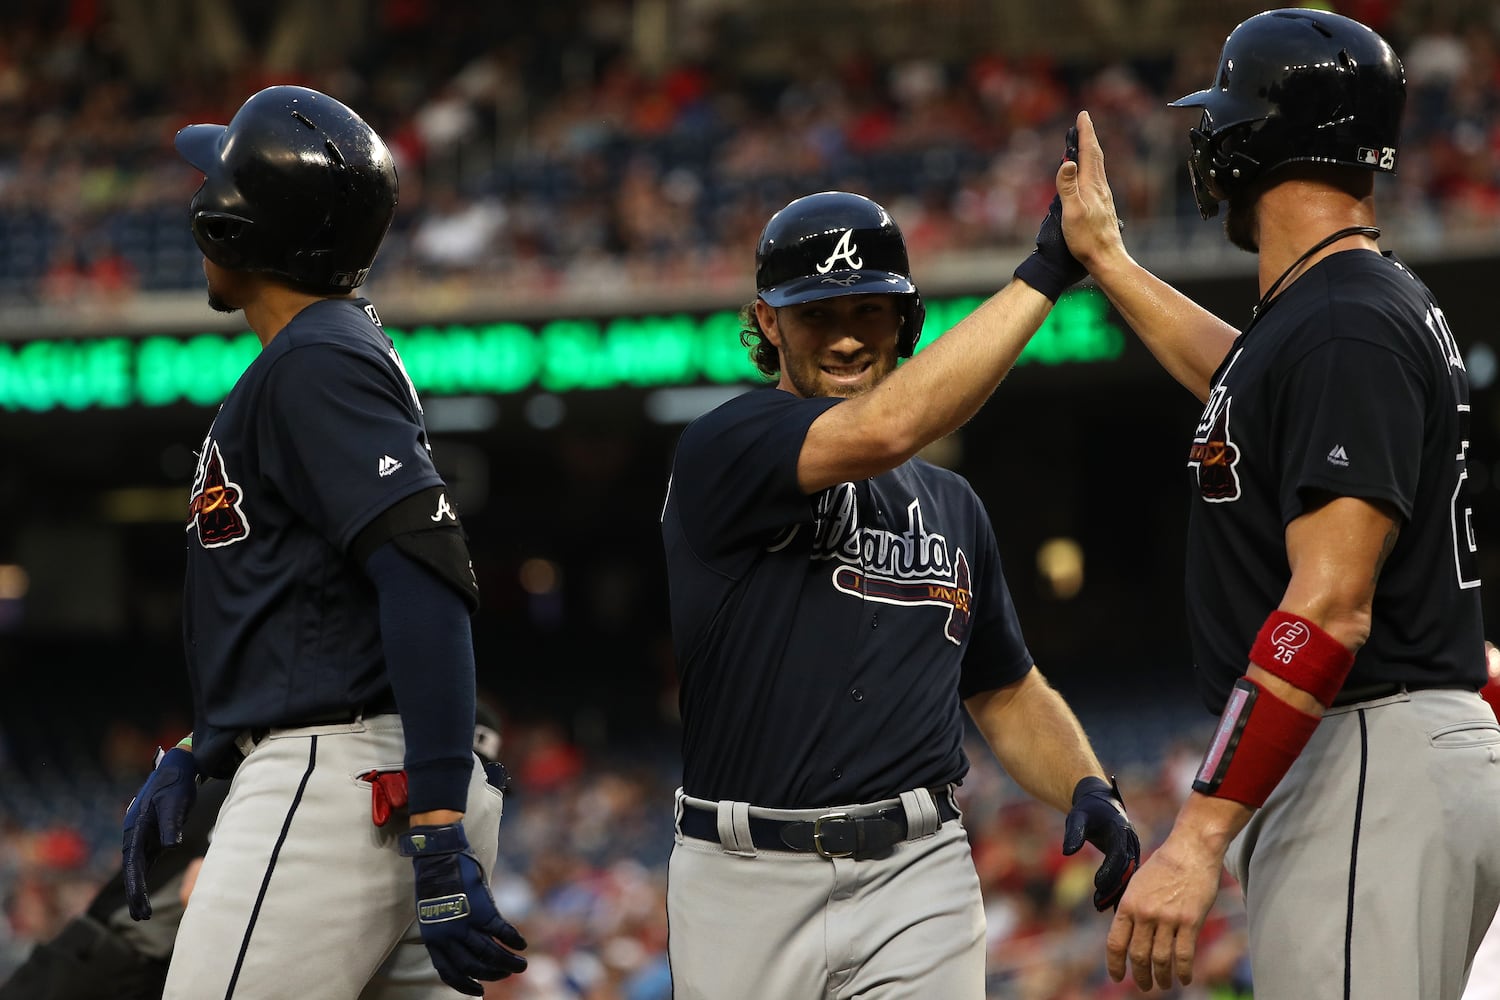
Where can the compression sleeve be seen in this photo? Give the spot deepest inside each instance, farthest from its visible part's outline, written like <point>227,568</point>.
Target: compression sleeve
<point>429,656</point>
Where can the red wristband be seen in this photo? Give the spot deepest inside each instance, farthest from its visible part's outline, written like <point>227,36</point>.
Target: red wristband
<point>1259,736</point>
<point>1302,654</point>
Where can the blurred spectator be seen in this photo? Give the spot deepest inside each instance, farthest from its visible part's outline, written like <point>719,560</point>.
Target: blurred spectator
<point>594,153</point>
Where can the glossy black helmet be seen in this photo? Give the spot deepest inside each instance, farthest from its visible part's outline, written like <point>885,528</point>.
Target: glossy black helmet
<point>1294,85</point>
<point>296,185</point>
<point>836,243</point>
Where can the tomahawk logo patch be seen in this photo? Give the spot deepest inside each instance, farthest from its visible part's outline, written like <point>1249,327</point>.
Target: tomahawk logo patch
<point>215,509</point>
<point>1214,454</point>
<point>912,568</point>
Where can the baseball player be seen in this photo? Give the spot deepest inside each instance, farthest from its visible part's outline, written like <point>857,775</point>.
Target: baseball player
<point>326,607</point>
<point>1332,588</point>
<point>835,603</point>
<point>103,954</point>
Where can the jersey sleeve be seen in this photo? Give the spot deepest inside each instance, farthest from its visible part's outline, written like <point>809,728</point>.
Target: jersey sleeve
<point>341,438</point>
<point>1353,418</point>
<point>734,478</point>
<point>997,653</point>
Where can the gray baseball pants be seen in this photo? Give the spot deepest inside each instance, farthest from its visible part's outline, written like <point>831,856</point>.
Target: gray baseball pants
<point>748,924</point>
<point>1373,870</point>
<point>301,895</point>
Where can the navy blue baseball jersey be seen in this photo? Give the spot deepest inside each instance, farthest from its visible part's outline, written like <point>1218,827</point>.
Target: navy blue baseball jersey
<point>1349,384</point>
<point>320,434</point>
<point>824,643</point>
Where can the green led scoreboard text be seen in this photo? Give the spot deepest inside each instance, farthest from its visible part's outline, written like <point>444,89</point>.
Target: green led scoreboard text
<point>559,355</point>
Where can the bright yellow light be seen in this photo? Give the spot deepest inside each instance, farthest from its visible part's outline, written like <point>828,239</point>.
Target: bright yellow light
<point>1059,561</point>
<point>13,583</point>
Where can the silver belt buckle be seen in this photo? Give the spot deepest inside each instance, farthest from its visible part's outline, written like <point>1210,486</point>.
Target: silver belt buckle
<point>818,835</point>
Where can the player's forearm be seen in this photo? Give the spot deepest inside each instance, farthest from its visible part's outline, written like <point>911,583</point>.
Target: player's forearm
<point>424,630</point>
<point>1037,739</point>
<point>1187,340</point>
<point>941,388</point>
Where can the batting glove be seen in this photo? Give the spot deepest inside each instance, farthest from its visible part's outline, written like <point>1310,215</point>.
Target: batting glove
<point>153,821</point>
<point>1098,816</point>
<point>456,913</point>
<point>1051,268</point>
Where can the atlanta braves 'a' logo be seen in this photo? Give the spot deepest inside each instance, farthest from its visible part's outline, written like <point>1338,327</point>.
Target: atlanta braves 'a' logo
<point>215,508</point>
<point>844,250</point>
<point>912,567</point>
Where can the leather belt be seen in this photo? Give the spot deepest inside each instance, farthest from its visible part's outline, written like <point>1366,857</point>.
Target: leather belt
<point>835,834</point>
<point>1389,689</point>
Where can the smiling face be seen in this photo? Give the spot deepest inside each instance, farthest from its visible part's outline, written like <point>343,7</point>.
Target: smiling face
<point>840,346</point>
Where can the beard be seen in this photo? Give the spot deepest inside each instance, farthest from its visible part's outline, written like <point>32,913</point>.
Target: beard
<point>1239,224</point>
<point>806,376</point>
<point>218,304</point>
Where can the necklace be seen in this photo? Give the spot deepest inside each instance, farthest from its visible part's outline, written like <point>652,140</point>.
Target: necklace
<point>1334,237</point>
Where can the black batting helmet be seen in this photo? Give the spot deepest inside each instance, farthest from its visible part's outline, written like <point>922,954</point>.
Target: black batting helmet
<point>836,243</point>
<point>296,185</point>
<point>1294,85</point>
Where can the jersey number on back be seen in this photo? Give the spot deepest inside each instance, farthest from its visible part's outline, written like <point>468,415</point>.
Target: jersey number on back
<point>1465,550</point>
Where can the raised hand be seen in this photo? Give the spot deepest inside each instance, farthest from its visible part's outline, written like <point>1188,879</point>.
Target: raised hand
<point>1090,224</point>
<point>1050,268</point>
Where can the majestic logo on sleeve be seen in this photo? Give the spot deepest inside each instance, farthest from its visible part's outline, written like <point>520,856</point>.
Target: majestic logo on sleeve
<point>844,250</point>
<point>1214,454</point>
<point>911,568</point>
<point>215,508</point>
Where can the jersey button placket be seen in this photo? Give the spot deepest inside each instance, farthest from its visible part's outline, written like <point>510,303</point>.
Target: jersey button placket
<point>857,694</point>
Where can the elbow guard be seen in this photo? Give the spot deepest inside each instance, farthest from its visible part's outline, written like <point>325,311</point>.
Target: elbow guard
<point>426,528</point>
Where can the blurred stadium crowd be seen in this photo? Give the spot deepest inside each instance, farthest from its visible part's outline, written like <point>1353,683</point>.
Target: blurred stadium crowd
<point>550,150</point>
<point>548,154</point>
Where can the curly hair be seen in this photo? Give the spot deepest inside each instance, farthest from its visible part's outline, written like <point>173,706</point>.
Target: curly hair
<point>762,351</point>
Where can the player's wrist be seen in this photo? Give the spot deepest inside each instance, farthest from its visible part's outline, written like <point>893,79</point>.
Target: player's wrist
<point>1108,263</point>
<point>430,841</point>
<point>437,817</point>
<point>1210,823</point>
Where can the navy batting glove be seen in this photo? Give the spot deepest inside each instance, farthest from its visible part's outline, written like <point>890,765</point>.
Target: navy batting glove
<point>1098,816</point>
<point>456,913</point>
<point>1051,268</point>
<point>153,821</point>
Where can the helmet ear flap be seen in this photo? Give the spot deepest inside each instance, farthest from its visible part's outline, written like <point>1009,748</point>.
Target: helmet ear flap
<point>223,237</point>
<point>914,315</point>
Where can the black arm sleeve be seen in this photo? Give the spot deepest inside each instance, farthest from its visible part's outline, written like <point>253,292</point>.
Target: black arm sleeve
<point>429,656</point>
